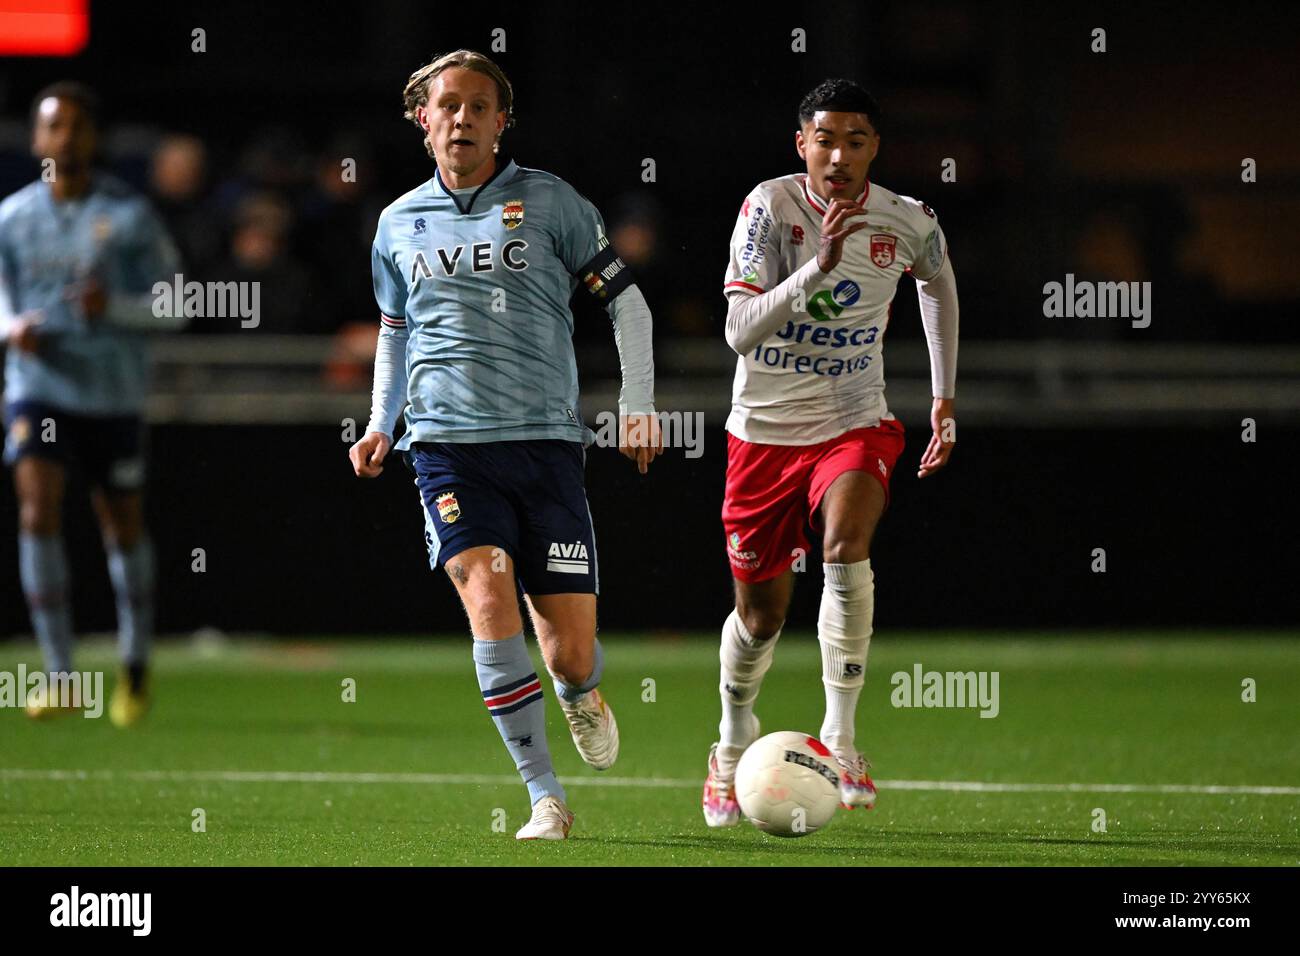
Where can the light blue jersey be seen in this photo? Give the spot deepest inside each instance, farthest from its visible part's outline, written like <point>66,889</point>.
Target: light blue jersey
<point>46,247</point>
<point>481,281</point>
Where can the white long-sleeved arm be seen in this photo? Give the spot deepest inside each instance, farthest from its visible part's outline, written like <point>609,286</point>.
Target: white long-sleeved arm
<point>388,397</point>
<point>752,319</point>
<point>633,335</point>
<point>7,314</point>
<point>939,313</point>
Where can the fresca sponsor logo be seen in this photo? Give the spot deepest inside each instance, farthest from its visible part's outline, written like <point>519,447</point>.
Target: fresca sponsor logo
<point>823,335</point>
<point>741,559</point>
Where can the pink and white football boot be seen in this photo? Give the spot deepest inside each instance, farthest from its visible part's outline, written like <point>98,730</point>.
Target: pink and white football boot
<point>856,787</point>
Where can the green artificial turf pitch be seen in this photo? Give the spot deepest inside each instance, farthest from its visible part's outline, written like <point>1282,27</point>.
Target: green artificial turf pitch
<point>256,734</point>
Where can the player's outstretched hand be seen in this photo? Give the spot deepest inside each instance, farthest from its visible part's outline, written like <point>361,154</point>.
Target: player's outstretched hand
<point>94,298</point>
<point>835,229</point>
<point>25,332</point>
<point>640,438</point>
<point>90,295</point>
<point>368,454</point>
<point>943,436</point>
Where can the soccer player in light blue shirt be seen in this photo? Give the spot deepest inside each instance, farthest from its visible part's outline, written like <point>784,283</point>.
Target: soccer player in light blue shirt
<point>79,254</point>
<point>473,271</point>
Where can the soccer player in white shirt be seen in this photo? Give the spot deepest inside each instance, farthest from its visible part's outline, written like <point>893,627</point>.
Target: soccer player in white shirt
<point>815,262</point>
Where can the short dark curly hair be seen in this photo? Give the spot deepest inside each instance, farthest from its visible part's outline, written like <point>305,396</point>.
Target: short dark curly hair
<point>78,93</point>
<point>839,96</point>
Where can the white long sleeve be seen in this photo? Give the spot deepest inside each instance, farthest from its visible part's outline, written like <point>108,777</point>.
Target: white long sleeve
<point>633,335</point>
<point>388,396</point>
<point>752,319</point>
<point>939,313</point>
<point>7,314</point>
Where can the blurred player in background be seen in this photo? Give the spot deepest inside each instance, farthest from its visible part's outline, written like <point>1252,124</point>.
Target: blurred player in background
<point>473,271</point>
<point>815,262</point>
<point>79,255</point>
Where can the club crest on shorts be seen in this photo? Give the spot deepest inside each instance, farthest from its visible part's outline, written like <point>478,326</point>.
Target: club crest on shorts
<point>882,249</point>
<point>448,508</point>
<point>512,213</point>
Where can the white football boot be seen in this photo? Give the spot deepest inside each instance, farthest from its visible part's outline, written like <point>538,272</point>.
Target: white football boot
<point>551,820</point>
<point>594,730</point>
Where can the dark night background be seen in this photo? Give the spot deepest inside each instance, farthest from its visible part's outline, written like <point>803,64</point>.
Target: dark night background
<point>1124,165</point>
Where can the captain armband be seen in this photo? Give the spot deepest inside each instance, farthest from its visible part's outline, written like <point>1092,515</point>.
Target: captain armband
<point>606,275</point>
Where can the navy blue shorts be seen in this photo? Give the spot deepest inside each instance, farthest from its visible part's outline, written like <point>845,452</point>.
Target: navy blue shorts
<point>109,449</point>
<point>526,497</point>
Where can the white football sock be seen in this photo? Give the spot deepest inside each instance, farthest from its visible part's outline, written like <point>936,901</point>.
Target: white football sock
<point>844,632</point>
<point>744,662</point>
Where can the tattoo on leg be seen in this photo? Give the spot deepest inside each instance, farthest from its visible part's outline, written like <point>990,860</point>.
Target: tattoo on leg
<point>457,571</point>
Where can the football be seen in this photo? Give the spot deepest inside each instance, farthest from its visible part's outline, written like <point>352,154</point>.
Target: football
<point>788,784</point>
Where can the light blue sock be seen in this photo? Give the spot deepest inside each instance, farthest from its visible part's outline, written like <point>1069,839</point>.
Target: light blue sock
<point>513,695</point>
<point>570,693</point>
<point>43,568</point>
<point>132,574</point>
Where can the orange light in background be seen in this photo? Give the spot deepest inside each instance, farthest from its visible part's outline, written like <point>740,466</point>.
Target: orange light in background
<point>43,27</point>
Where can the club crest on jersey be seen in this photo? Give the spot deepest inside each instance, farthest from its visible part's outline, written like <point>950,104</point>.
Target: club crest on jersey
<point>882,249</point>
<point>448,508</point>
<point>512,213</point>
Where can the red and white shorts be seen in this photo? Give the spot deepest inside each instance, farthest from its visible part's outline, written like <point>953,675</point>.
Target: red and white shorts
<point>773,492</point>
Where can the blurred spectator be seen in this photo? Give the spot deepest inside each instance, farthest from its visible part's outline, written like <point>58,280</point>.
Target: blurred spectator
<point>337,225</point>
<point>635,232</point>
<point>259,252</point>
<point>274,161</point>
<point>179,180</point>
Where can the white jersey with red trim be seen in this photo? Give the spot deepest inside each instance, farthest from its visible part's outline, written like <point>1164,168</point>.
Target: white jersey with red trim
<point>822,373</point>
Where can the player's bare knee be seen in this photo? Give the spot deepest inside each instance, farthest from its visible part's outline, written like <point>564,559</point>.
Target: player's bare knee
<point>121,535</point>
<point>39,517</point>
<point>761,623</point>
<point>121,518</point>
<point>485,605</point>
<point>573,665</point>
<point>127,538</point>
<point>846,550</point>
